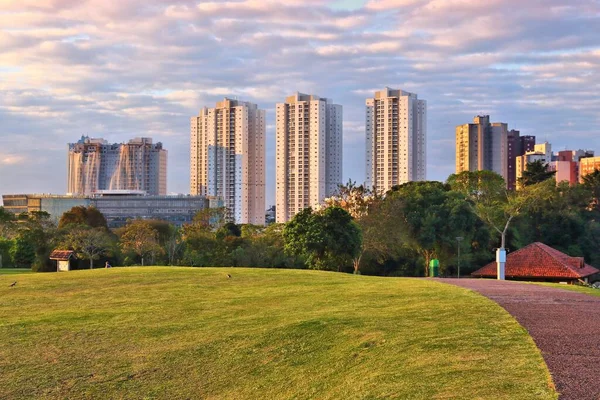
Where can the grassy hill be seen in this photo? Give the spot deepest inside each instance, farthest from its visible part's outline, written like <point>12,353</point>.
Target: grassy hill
<point>261,334</point>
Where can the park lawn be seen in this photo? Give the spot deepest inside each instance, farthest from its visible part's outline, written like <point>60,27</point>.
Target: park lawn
<point>177,333</point>
<point>13,271</point>
<point>574,288</point>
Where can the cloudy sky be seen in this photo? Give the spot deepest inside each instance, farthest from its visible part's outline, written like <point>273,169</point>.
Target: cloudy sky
<point>126,68</point>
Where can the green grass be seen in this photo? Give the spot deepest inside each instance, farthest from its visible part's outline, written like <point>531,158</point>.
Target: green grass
<point>574,288</point>
<point>177,333</point>
<point>12,271</point>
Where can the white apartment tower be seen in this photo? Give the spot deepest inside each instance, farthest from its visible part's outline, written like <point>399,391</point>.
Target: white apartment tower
<point>227,158</point>
<point>309,153</point>
<point>396,129</point>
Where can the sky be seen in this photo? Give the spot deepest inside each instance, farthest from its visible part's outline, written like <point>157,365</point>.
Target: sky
<point>130,68</point>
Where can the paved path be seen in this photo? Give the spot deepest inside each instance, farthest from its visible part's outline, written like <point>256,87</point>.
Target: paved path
<point>565,325</point>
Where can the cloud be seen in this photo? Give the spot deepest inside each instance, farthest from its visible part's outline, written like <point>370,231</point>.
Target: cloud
<point>119,69</point>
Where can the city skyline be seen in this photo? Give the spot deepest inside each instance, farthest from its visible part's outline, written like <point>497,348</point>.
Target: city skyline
<point>141,69</point>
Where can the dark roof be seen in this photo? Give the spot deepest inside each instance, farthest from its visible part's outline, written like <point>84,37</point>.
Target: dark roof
<point>538,260</point>
<point>61,255</point>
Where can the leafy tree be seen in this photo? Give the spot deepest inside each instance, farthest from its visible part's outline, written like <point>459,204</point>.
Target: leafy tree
<point>81,215</point>
<point>7,225</point>
<point>383,231</point>
<point>89,243</point>
<point>173,244</point>
<point>434,216</point>
<point>40,231</point>
<point>229,229</point>
<point>591,182</point>
<point>488,197</point>
<point>536,172</point>
<point>326,239</point>
<point>23,251</point>
<point>140,238</point>
<point>356,200</point>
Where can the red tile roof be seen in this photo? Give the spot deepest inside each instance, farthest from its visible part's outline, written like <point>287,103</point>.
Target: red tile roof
<point>61,255</point>
<point>538,260</point>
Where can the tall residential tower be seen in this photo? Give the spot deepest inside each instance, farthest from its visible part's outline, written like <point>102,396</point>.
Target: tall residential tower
<point>227,158</point>
<point>94,164</point>
<point>482,145</point>
<point>309,153</point>
<point>396,130</point>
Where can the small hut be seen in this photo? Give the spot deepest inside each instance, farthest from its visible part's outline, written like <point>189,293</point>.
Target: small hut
<point>540,262</point>
<point>63,259</point>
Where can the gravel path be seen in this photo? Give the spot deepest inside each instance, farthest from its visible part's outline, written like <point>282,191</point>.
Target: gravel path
<point>565,325</point>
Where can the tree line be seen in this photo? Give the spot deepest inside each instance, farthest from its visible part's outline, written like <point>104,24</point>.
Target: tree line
<point>357,230</point>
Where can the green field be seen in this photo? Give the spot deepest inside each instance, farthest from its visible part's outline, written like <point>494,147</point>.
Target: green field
<point>12,271</point>
<point>178,333</point>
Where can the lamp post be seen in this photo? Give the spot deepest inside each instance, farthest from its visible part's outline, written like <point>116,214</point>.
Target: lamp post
<point>458,240</point>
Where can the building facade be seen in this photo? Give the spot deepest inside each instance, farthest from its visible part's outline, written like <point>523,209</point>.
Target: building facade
<point>55,205</point>
<point>542,152</point>
<point>227,158</point>
<point>94,164</point>
<point>309,153</point>
<point>587,165</point>
<point>117,206</point>
<point>566,168</point>
<point>517,145</point>
<point>482,145</point>
<point>396,132</point>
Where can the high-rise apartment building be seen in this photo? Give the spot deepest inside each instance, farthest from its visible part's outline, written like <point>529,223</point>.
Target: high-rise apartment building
<point>94,164</point>
<point>517,145</point>
<point>482,146</point>
<point>396,131</point>
<point>227,158</point>
<point>309,153</point>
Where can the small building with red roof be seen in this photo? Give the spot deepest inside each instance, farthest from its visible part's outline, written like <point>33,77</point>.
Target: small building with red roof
<point>63,259</point>
<point>539,262</point>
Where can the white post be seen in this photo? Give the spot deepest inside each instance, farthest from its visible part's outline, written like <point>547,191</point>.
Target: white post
<point>501,261</point>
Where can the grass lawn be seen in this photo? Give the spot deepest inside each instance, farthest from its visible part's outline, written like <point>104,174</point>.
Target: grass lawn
<point>178,333</point>
<point>574,288</point>
<point>12,271</point>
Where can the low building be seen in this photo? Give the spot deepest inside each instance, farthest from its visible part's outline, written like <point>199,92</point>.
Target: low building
<point>117,206</point>
<point>63,259</point>
<point>120,206</point>
<point>55,205</point>
<point>539,262</point>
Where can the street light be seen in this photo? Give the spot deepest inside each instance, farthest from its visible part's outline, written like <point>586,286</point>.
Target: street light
<point>458,240</point>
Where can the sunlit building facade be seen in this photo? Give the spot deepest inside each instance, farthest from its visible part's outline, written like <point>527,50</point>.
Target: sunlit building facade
<point>482,145</point>
<point>308,153</point>
<point>396,132</point>
<point>227,158</point>
<point>94,165</point>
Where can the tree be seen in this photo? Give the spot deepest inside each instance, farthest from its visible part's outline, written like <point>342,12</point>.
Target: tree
<point>81,215</point>
<point>536,172</point>
<point>488,197</point>
<point>6,223</point>
<point>356,200</point>
<point>89,243</point>
<point>592,183</point>
<point>140,238</point>
<point>173,244</point>
<point>383,231</point>
<point>433,217</point>
<point>326,239</point>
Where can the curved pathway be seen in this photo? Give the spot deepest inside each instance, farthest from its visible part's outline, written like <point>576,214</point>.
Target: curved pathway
<point>565,325</point>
